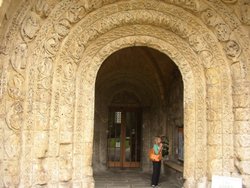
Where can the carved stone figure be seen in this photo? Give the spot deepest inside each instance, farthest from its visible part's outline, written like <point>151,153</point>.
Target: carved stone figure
<point>42,8</point>
<point>69,70</point>
<point>45,67</point>
<point>245,11</point>
<point>14,116</point>
<point>51,45</point>
<point>222,32</point>
<point>207,58</point>
<point>197,43</point>
<point>12,145</point>
<point>18,58</point>
<point>15,89</point>
<point>30,26</point>
<point>232,49</point>
<point>209,17</point>
<point>75,13</point>
<point>62,27</point>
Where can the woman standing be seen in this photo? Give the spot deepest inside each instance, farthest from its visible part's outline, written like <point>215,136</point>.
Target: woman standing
<point>157,163</point>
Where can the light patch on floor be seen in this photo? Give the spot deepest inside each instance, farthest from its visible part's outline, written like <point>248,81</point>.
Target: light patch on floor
<point>134,179</point>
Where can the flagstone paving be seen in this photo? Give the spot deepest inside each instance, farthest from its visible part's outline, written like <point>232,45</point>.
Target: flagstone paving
<point>134,179</point>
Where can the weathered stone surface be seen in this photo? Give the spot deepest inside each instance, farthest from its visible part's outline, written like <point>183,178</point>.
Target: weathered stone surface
<point>242,127</point>
<point>243,140</point>
<point>243,166</point>
<point>51,52</point>
<point>242,114</point>
<point>243,153</point>
<point>242,101</point>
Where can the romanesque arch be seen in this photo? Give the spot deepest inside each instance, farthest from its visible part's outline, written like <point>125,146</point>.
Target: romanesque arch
<point>52,53</point>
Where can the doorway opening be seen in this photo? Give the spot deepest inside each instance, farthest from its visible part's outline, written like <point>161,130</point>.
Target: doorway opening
<point>138,95</point>
<point>124,137</point>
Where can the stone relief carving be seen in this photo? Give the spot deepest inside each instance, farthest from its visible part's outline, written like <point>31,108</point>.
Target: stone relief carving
<point>238,70</point>
<point>62,27</point>
<point>45,67</point>
<point>197,42</point>
<point>11,175</point>
<point>74,52</point>
<point>30,26</point>
<point>229,1</point>
<point>40,176</point>
<point>222,9</point>
<point>15,87</point>
<point>65,168</point>
<point>7,43</point>
<point>42,120</point>
<point>51,45</point>
<point>18,58</point>
<point>42,8</point>
<point>12,145</point>
<point>75,13</point>
<point>212,76</point>
<point>222,32</point>
<point>232,49</point>
<point>207,58</point>
<point>14,116</point>
<point>190,4</point>
<point>196,45</point>
<point>209,17</point>
<point>18,62</point>
<point>41,142</point>
<point>69,71</point>
<point>92,4</point>
<point>245,11</point>
<point>65,162</point>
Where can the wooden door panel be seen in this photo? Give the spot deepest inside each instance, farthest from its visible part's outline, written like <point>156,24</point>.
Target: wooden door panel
<point>124,138</point>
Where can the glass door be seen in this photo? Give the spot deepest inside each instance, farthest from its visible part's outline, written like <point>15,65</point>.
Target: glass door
<point>124,138</point>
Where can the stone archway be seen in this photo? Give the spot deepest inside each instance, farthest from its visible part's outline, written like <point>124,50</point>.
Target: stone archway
<point>52,83</point>
<point>189,105</point>
<point>146,74</point>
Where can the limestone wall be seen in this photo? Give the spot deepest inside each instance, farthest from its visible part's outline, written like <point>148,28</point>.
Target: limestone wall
<point>174,114</point>
<point>50,54</point>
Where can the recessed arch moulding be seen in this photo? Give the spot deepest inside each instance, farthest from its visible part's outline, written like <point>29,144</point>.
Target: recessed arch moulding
<point>51,53</point>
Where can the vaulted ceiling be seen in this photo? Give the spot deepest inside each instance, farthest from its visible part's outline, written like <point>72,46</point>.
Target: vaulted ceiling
<point>145,71</point>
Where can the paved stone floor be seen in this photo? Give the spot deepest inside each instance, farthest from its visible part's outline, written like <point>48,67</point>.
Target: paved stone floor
<point>134,179</point>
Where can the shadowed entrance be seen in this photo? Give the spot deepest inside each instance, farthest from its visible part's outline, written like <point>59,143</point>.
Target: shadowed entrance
<point>139,94</point>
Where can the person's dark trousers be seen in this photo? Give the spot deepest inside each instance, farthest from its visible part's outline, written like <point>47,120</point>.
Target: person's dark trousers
<point>156,172</point>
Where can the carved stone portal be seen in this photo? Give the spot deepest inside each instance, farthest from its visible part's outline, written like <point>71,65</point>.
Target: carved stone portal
<point>50,56</point>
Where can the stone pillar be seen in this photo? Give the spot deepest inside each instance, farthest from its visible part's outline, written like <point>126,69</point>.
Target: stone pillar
<point>83,135</point>
<point>241,100</point>
<point>146,140</point>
